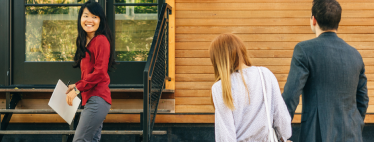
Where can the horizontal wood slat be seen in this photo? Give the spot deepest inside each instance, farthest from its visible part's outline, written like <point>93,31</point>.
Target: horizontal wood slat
<point>267,29</point>
<point>164,104</point>
<point>254,61</point>
<point>273,37</point>
<point>252,53</point>
<point>209,69</point>
<point>268,21</point>
<point>256,53</point>
<point>236,6</point>
<point>114,118</point>
<point>194,85</point>
<point>208,85</point>
<point>134,118</point>
<point>210,77</point>
<point>208,101</point>
<point>194,108</point>
<point>274,69</point>
<point>207,93</point>
<point>192,93</point>
<point>264,14</point>
<point>193,101</point>
<point>210,108</point>
<point>264,1</point>
<point>256,45</point>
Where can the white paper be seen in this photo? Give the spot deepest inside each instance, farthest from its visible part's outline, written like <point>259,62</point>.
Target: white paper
<point>58,103</point>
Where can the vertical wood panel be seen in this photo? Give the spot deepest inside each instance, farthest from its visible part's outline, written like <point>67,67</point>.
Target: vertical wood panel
<point>171,84</point>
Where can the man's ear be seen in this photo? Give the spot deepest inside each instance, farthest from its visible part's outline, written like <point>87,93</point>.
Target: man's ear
<point>314,21</point>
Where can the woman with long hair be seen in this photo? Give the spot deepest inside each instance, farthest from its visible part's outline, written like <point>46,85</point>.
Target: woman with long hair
<point>238,98</point>
<point>94,56</point>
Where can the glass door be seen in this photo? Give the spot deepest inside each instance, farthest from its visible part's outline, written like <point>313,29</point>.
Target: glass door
<point>45,32</point>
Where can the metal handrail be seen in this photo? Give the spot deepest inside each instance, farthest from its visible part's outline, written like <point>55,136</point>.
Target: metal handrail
<point>155,72</point>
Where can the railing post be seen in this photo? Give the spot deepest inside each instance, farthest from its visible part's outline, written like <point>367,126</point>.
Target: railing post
<point>146,107</point>
<point>167,43</point>
<point>11,103</point>
<point>155,73</point>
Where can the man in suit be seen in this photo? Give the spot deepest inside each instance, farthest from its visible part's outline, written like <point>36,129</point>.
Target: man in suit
<point>330,75</point>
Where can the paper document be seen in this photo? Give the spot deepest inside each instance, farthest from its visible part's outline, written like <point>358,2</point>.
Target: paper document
<point>58,103</point>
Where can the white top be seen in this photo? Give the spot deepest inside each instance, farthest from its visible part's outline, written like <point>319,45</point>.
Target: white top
<point>248,122</point>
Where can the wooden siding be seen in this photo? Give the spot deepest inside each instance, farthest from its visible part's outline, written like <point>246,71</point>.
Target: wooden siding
<point>270,30</point>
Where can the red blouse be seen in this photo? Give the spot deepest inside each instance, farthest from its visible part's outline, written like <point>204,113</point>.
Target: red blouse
<point>94,71</point>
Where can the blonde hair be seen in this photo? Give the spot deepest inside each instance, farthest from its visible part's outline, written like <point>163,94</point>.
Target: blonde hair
<point>227,53</point>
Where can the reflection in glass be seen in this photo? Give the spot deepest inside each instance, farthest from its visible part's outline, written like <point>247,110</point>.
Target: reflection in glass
<point>51,32</point>
<point>136,1</point>
<point>134,28</point>
<point>55,1</point>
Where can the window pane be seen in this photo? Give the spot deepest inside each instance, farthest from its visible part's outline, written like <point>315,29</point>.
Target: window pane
<point>136,1</point>
<point>135,27</point>
<point>55,1</point>
<point>51,32</point>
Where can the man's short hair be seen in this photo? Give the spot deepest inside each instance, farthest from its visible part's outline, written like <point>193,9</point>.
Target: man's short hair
<point>327,13</point>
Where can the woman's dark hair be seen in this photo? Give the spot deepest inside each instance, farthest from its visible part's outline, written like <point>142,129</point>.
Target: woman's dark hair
<point>103,29</point>
<point>327,13</point>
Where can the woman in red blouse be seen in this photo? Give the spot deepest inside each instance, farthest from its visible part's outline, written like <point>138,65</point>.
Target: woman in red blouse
<point>94,55</point>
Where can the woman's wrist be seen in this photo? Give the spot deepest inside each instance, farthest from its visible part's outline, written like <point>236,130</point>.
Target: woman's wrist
<point>76,90</point>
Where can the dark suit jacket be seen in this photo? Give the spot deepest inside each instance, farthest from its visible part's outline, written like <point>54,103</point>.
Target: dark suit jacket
<point>330,75</point>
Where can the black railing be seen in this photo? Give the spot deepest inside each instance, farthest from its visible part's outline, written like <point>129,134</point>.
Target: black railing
<point>155,72</point>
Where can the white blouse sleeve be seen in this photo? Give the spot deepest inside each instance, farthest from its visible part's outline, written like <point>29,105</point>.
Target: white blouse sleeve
<point>224,121</point>
<point>281,116</point>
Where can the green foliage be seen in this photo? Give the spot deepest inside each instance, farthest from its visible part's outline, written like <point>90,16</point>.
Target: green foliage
<point>47,10</point>
<point>51,40</point>
<point>55,1</point>
<point>136,1</point>
<point>132,55</point>
<point>137,9</point>
<point>120,10</point>
<point>145,9</point>
<point>134,37</point>
<point>57,44</point>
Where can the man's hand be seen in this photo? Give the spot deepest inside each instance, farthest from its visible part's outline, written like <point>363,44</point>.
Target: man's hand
<point>71,87</point>
<point>70,97</point>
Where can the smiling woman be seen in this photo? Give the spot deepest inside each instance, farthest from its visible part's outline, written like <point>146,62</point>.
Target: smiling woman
<point>94,55</point>
<point>90,23</point>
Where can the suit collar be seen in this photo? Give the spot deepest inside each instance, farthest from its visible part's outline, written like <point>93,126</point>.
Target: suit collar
<point>325,34</point>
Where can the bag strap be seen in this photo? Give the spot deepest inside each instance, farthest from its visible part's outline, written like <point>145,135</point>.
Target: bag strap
<point>266,105</point>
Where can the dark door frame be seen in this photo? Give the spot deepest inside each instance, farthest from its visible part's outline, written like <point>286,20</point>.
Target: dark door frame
<point>5,42</point>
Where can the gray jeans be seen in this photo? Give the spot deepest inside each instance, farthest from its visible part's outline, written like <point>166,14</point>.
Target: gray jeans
<point>91,120</point>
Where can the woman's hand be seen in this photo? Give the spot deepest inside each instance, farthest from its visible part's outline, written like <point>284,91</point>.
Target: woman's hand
<point>71,87</point>
<point>70,94</point>
<point>70,97</point>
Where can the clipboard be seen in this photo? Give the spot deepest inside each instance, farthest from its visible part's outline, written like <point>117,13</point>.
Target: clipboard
<point>60,106</point>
